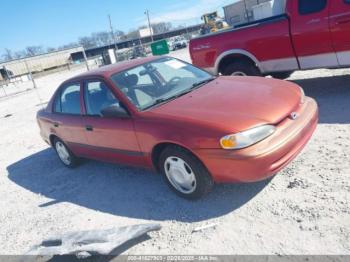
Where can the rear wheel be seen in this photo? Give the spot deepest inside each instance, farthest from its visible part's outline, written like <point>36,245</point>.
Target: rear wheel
<point>241,68</point>
<point>64,154</point>
<point>184,173</point>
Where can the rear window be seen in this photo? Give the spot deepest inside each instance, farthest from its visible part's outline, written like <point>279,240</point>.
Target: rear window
<point>68,100</point>
<point>309,7</point>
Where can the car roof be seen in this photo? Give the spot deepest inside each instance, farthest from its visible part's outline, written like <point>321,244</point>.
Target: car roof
<point>107,71</point>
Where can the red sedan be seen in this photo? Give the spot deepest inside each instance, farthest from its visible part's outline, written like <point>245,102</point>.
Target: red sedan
<point>193,128</point>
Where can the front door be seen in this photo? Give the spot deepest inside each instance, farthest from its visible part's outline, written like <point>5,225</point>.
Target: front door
<point>111,139</point>
<point>340,29</point>
<point>311,35</point>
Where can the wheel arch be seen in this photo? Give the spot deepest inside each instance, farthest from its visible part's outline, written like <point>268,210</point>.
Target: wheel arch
<point>158,149</point>
<point>238,54</point>
<point>52,137</point>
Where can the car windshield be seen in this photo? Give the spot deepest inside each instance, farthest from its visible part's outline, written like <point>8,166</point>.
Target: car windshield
<point>159,81</point>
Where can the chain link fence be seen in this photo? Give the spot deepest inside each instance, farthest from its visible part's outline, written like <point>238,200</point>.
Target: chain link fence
<point>21,75</point>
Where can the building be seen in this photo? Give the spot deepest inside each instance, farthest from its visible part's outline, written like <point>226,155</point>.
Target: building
<point>103,51</point>
<point>245,11</point>
<point>20,67</point>
<point>17,69</point>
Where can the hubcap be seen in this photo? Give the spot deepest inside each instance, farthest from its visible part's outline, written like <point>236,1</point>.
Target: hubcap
<point>63,153</point>
<point>180,175</point>
<point>238,73</point>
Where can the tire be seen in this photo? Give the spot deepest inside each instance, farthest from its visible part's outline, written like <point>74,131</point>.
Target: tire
<point>71,160</point>
<point>193,169</point>
<point>282,75</point>
<point>241,68</point>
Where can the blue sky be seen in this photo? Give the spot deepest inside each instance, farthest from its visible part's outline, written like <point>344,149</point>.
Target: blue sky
<point>57,22</point>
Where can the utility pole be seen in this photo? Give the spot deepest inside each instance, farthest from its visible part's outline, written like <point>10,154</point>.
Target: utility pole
<point>186,28</point>
<point>85,59</point>
<point>112,32</point>
<point>246,10</point>
<point>34,83</point>
<point>149,24</point>
<point>30,74</point>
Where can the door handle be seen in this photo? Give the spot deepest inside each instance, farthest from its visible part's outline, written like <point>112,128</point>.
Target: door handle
<point>89,128</point>
<point>55,124</point>
<point>313,21</point>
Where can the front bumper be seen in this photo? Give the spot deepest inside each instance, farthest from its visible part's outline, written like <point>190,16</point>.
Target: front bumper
<point>267,157</point>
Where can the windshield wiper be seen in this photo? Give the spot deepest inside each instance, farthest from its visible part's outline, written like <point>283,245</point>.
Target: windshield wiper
<point>162,100</point>
<point>200,83</point>
<point>165,99</point>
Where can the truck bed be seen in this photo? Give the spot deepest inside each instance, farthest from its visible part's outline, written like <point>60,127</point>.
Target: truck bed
<point>255,38</point>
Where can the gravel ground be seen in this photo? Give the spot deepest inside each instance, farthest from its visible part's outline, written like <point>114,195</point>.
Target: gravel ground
<point>303,210</point>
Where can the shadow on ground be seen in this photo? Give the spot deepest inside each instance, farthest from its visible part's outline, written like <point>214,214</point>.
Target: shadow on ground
<point>332,95</point>
<point>122,191</point>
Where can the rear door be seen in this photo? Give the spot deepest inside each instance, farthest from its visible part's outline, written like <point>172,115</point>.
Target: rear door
<point>66,120</point>
<point>340,29</point>
<point>109,139</point>
<point>311,34</point>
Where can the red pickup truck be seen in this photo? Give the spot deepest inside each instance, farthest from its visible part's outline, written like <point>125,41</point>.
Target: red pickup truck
<point>311,34</point>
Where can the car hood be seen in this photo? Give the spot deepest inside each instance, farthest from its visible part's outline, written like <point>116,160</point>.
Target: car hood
<point>235,103</point>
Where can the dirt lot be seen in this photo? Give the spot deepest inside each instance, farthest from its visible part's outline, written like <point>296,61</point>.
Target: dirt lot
<point>305,209</point>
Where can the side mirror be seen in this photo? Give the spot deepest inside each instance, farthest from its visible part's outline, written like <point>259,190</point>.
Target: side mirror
<point>115,111</point>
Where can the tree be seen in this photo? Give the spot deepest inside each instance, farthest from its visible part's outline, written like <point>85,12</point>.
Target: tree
<point>50,49</point>
<point>67,46</point>
<point>102,38</point>
<point>34,50</point>
<point>105,38</point>
<point>162,27</point>
<point>133,34</point>
<point>19,54</point>
<point>87,42</point>
<point>28,51</point>
<point>8,55</point>
<point>119,33</point>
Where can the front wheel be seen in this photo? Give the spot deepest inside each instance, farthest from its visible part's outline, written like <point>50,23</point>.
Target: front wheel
<point>241,68</point>
<point>64,154</point>
<point>184,173</point>
<point>282,75</point>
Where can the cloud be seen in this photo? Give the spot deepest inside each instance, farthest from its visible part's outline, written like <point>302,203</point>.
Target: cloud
<point>181,12</point>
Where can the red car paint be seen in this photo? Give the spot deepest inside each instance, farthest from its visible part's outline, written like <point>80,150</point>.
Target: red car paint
<point>289,42</point>
<point>195,121</point>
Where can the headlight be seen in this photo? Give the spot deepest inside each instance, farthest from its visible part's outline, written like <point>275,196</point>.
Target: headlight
<point>302,101</point>
<point>247,138</point>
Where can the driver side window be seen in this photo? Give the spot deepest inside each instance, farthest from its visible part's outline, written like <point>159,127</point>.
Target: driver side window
<point>97,96</point>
